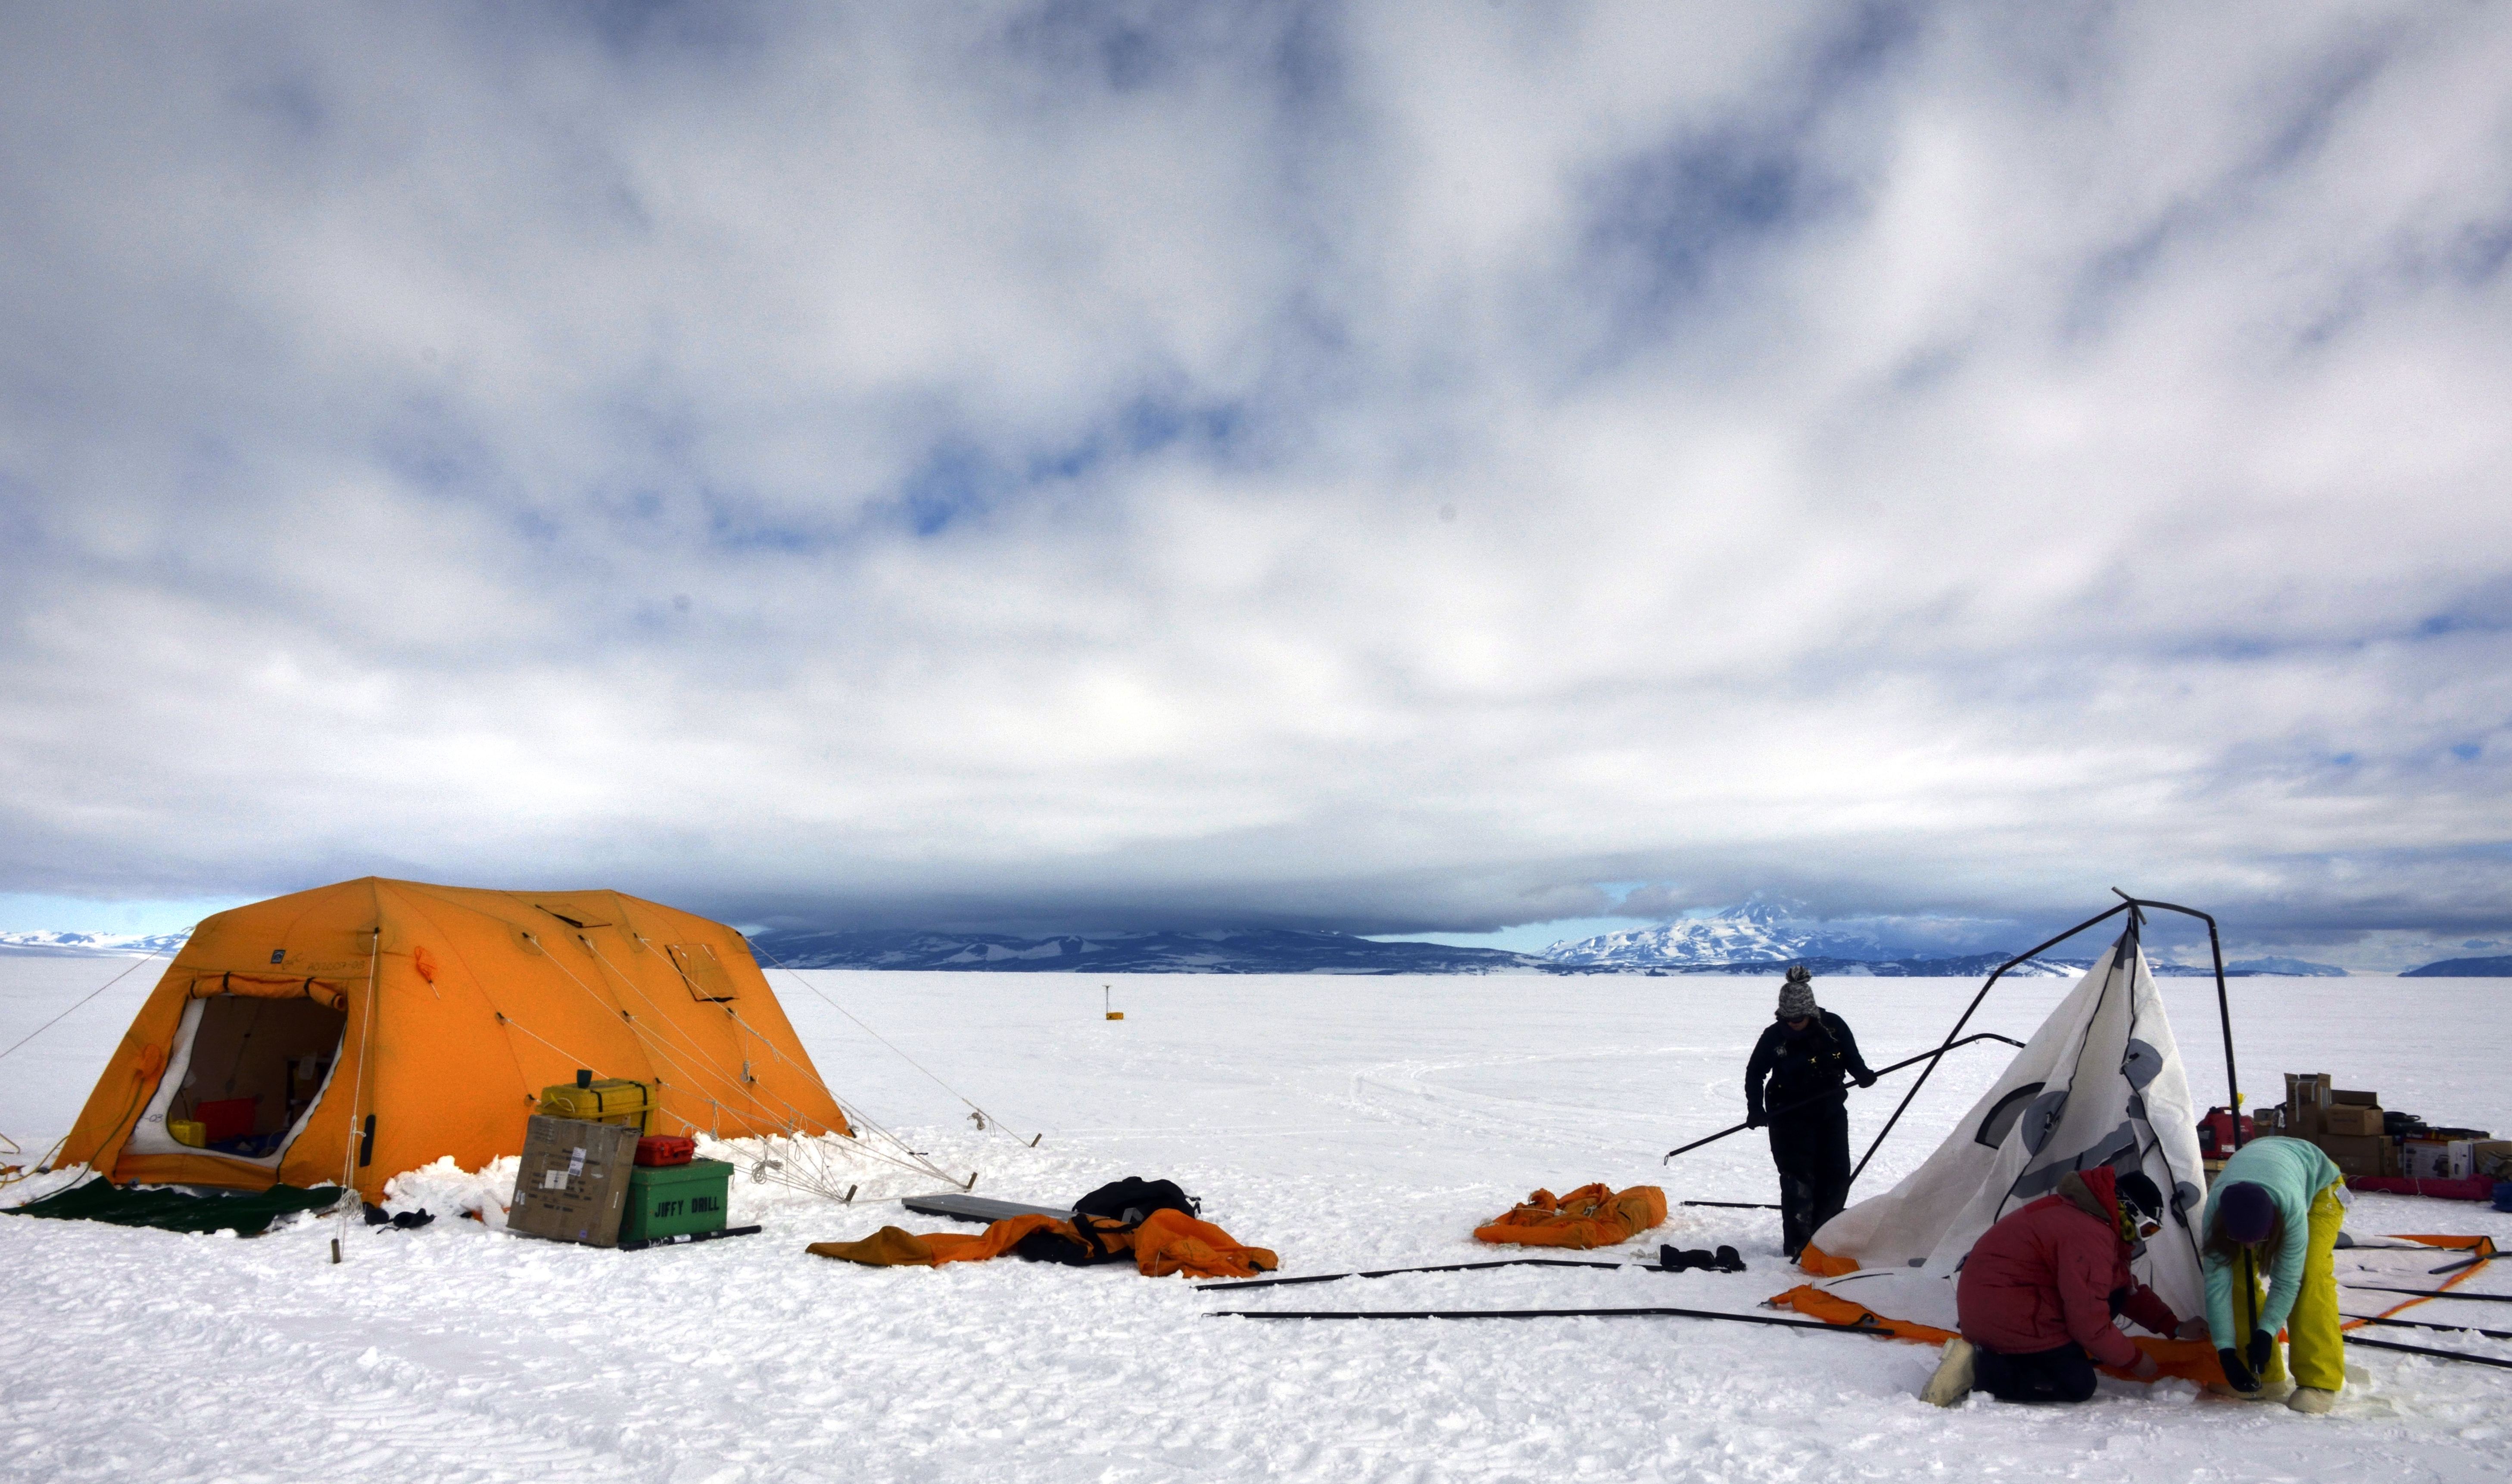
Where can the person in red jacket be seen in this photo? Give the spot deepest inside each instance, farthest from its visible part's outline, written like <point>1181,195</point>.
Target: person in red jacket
<point>2040,1289</point>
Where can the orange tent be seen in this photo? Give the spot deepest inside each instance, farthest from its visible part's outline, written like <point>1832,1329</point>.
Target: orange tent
<point>347,1034</point>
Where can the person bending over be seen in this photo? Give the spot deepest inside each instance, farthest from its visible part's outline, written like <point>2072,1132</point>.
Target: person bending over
<point>2041,1290</point>
<point>1805,1058</point>
<point>2274,1214</point>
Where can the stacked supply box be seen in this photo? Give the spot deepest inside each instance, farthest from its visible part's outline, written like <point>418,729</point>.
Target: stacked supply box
<point>2345,1124</point>
<point>573,1186</point>
<point>676,1199</point>
<point>2437,1158</point>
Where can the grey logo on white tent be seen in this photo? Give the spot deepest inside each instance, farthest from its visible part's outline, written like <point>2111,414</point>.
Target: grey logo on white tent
<point>2118,1148</point>
<point>2041,1119</point>
<point>2001,1118</point>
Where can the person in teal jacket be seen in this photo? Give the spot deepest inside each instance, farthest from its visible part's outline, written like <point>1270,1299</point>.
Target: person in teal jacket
<point>2273,1214</point>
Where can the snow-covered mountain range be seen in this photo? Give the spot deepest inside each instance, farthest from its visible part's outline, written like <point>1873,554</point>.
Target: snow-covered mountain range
<point>1259,950</point>
<point>1757,937</point>
<point>1764,929</point>
<point>91,943</point>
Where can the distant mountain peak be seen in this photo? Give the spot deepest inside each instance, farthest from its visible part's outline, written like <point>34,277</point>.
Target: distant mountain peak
<point>1765,909</point>
<point>92,943</point>
<point>1760,929</point>
<point>1228,951</point>
<point>2301,967</point>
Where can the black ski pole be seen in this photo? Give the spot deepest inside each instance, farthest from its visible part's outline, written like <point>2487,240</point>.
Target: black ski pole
<point>1924,1056</point>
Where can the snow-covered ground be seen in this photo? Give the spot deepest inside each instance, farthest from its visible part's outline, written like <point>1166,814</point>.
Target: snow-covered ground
<point>1344,1122</point>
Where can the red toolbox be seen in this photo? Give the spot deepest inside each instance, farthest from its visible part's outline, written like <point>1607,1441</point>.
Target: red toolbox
<point>665,1149</point>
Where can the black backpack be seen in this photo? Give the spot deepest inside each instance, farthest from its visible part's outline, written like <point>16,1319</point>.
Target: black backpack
<point>1129,1200</point>
<point>1120,1206</point>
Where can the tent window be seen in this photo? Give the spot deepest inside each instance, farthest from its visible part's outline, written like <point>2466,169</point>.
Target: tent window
<point>255,1065</point>
<point>700,968</point>
<point>576,912</point>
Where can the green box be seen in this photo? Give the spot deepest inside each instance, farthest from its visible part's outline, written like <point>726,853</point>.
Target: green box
<point>676,1199</point>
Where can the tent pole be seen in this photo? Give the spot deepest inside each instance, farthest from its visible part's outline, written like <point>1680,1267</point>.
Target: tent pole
<point>1805,1103</point>
<point>2223,1003</point>
<point>1993,976</point>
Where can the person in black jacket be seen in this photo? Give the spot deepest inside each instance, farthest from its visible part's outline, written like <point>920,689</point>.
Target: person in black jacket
<point>1805,1057</point>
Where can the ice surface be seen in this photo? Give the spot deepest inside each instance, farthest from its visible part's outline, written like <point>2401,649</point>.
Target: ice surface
<point>1346,1123</point>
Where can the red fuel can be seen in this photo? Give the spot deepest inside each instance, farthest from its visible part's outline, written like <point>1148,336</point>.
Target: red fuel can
<point>2215,1133</point>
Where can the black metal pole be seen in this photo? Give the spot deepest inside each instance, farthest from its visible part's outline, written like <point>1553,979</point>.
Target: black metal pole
<point>2224,1005</point>
<point>1993,976</point>
<point>1879,1331</point>
<point>1924,1056</point>
<point>2426,1349</point>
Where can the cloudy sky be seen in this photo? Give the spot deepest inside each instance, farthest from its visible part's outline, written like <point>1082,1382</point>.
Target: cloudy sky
<point>1447,468</point>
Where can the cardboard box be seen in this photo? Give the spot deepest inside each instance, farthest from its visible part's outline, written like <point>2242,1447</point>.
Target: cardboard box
<point>573,1186</point>
<point>2436,1159</point>
<point>2351,1119</point>
<point>2354,1154</point>
<point>2306,1095</point>
<point>2493,1157</point>
<point>2353,1099</point>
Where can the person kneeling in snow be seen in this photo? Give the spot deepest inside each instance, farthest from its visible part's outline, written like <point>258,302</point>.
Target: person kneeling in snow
<point>2040,1289</point>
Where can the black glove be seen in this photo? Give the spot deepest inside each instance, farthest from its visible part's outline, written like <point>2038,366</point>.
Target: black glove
<point>1866,1078</point>
<point>2262,1345</point>
<point>1753,1117</point>
<point>2237,1375</point>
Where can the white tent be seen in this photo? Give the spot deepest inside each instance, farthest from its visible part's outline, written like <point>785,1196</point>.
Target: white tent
<point>2101,1083</point>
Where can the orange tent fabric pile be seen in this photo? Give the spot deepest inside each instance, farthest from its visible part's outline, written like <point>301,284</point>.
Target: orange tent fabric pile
<point>1590,1216</point>
<point>1167,1242</point>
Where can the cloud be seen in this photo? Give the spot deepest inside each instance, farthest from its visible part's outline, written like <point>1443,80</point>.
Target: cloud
<point>1382,467</point>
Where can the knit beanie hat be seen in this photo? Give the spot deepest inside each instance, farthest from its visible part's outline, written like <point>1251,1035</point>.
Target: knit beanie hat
<point>2245,1213</point>
<point>2138,1194</point>
<point>1796,996</point>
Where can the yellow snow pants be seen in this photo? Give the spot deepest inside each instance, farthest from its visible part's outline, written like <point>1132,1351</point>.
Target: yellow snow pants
<point>2311,1328</point>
